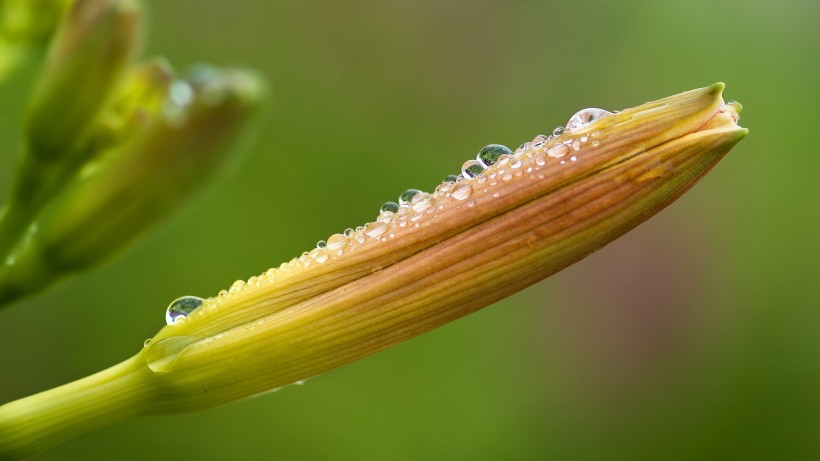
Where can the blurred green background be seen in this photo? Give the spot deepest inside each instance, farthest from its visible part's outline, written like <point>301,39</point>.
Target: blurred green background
<point>696,336</point>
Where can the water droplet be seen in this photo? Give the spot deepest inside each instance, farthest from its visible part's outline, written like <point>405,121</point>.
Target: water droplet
<point>147,342</point>
<point>322,257</point>
<point>180,93</point>
<point>181,308</point>
<point>488,155</point>
<point>237,285</point>
<point>336,241</point>
<point>348,232</point>
<point>558,131</point>
<point>515,163</point>
<point>375,229</point>
<point>390,206</point>
<point>573,158</point>
<point>540,160</point>
<point>445,187</point>
<point>471,203</point>
<point>385,216</point>
<point>407,196</point>
<point>451,178</point>
<point>321,244</point>
<point>422,203</point>
<point>472,168</point>
<point>462,191</point>
<point>557,151</point>
<point>584,116</point>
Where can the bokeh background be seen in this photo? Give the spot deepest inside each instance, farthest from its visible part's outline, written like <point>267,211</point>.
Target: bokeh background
<point>696,336</point>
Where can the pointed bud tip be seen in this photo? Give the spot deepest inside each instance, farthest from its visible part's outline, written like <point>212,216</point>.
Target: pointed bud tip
<point>715,88</point>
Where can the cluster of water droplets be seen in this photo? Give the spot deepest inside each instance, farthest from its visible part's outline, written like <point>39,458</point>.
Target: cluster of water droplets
<point>494,164</point>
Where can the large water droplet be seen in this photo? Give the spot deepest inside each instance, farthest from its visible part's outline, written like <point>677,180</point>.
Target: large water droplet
<point>336,241</point>
<point>489,154</point>
<point>407,196</point>
<point>390,206</point>
<point>584,116</point>
<point>472,168</point>
<point>181,308</point>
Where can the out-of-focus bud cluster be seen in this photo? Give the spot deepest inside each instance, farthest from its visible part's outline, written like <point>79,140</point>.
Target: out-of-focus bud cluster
<point>111,146</point>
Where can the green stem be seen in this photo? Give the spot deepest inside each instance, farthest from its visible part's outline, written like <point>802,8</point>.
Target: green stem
<point>35,423</point>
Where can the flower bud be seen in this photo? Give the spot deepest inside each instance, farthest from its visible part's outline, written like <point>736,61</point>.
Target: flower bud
<point>138,183</point>
<point>443,255</point>
<point>92,47</point>
<point>424,262</point>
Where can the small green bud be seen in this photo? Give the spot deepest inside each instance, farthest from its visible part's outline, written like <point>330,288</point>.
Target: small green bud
<point>89,54</point>
<point>139,183</point>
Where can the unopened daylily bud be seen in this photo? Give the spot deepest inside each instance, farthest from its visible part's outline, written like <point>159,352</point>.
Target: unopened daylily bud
<point>139,183</point>
<point>92,47</point>
<point>512,219</point>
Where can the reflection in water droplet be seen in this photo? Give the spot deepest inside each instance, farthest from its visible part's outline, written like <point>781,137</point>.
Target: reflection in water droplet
<point>407,196</point>
<point>390,206</point>
<point>488,155</point>
<point>472,168</point>
<point>584,116</point>
<point>451,178</point>
<point>181,308</point>
<point>462,191</point>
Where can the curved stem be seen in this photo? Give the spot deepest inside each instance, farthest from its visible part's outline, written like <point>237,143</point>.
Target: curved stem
<point>35,423</point>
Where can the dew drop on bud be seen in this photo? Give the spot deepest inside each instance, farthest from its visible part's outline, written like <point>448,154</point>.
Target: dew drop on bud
<point>471,168</point>
<point>321,244</point>
<point>489,154</point>
<point>584,116</point>
<point>336,241</point>
<point>558,131</point>
<point>451,178</point>
<point>181,308</point>
<point>392,207</point>
<point>462,191</point>
<point>407,196</point>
